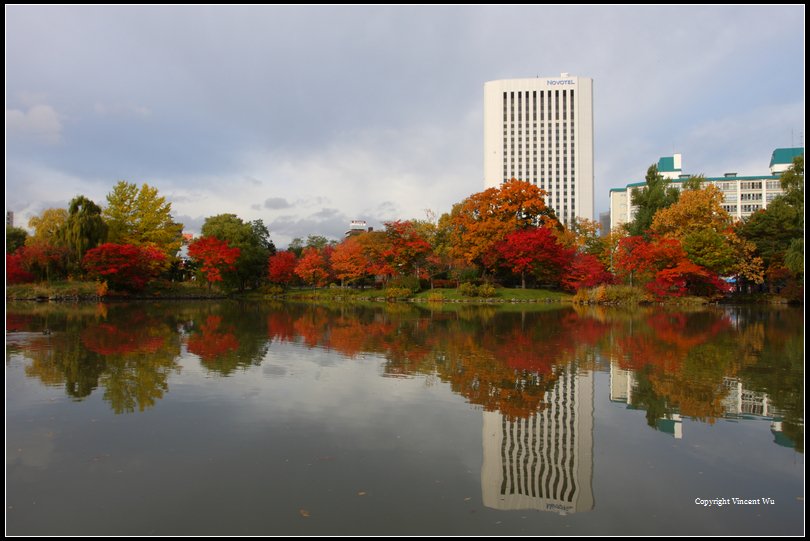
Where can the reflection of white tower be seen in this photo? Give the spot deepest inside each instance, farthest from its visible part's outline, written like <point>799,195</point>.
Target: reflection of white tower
<point>544,462</point>
<point>621,383</point>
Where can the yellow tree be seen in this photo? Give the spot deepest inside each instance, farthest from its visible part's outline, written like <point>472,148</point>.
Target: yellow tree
<point>695,209</point>
<point>47,227</point>
<point>482,220</point>
<point>141,216</point>
<point>699,221</point>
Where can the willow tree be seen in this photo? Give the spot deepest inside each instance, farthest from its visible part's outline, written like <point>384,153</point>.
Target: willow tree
<point>83,230</point>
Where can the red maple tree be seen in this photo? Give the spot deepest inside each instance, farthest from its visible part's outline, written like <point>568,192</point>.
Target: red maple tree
<point>407,249</point>
<point>281,267</point>
<point>124,266</point>
<point>585,270</point>
<point>215,256</point>
<point>534,250</point>
<point>15,273</point>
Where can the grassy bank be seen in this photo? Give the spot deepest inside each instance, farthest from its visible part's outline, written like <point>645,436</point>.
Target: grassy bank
<point>502,294</point>
<point>89,291</point>
<point>435,295</point>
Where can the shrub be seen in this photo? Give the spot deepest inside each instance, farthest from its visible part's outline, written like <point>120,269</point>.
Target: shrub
<point>487,291</point>
<point>617,294</point>
<point>468,290</point>
<point>397,293</point>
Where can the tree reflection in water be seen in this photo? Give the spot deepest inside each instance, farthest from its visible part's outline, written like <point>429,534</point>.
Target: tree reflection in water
<point>503,359</point>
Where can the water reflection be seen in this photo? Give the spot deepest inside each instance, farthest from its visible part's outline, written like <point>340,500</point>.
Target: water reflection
<point>544,461</point>
<point>511,360</point>
<point>128,351</point>
<point>712,365</point>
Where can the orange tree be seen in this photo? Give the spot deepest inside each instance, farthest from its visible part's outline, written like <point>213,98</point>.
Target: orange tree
<point>312,267</point>
<point>348,261</point>
<point>477,224</point>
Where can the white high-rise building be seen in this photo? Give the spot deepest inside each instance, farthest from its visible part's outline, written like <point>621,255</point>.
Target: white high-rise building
<point>541,131</point>
<point>544,462</point>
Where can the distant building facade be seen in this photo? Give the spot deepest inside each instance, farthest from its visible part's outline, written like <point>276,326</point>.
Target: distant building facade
<point>541,131</point>
<point>9,218</point>
<point>358,226</point>
<point>604,223</point>
<point>742,196</point>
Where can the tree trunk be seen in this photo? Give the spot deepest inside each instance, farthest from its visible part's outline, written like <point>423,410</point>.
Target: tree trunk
<point>523,280</point>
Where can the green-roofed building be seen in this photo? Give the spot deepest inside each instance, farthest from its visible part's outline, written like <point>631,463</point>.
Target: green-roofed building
<point>782,159</point>
<point>743,195</point>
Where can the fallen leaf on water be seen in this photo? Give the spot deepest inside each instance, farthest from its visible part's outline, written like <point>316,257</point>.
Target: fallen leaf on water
<point>304,513</point>
<point>467,499</point>
<point>361,493</point>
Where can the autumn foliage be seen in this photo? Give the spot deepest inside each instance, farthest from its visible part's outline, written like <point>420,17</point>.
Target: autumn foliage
<point>482,220</point>
<point>215,257</point>
<point>281,268</point>
<point>312,267</point>
<point>533,250</point>
<point>15,273</point>
<point>124,266</point>
<point>664,269</point>
<point>213,341</point>
<point>585,270</point>
<point>349,262</point>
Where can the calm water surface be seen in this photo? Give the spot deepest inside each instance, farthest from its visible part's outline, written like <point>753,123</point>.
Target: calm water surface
<point>228,418</point>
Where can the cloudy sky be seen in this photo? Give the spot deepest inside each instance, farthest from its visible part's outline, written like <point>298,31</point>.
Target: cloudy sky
<point>310,117</point>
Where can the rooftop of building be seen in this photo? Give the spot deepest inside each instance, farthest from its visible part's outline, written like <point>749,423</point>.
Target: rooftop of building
<point>785,155</point>
<point>667,164</point>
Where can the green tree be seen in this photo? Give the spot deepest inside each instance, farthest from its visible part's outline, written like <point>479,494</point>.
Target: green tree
<point>778,231</point>
<point>255,247</point>
<point>141,216</point>
<point>792,182</point>
<point>15,237</point>
<point>84,229</point>
<point>710,249</point>
<point>648,200</point>
<point>794,257</point>
<point>296,246</point>
<point>319,242</point>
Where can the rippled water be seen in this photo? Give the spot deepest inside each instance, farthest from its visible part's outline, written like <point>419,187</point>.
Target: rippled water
<point>228,418</point>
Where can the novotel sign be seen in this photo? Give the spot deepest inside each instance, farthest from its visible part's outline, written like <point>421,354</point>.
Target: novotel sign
<point>560,83</point>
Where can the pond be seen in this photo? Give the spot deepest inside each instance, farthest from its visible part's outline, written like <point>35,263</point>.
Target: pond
<point>170,418</point>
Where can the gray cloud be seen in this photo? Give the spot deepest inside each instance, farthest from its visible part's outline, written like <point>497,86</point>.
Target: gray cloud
<point>377,110</point>
<point>40,123</point>
<point>276,203</point>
